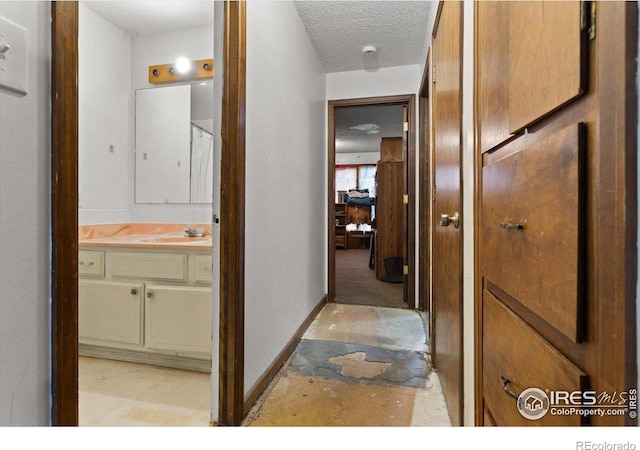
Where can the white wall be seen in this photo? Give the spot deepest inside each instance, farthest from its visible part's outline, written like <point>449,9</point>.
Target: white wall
<point>25,229</point>
<point>357,158</point>
<point>285,182</point>
<point>374,83</point>
<point>104,97</point>
<point>194,43</point>
<point>468,184</point>
<point>111,60</point>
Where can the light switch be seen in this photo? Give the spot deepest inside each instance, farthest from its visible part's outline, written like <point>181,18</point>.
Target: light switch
<point>13,56</point>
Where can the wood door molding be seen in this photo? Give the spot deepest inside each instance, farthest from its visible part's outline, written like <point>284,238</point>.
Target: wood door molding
<point>424,195</point>
<point>64,213</point>
<point>410,101</point>
<point>232,211</point>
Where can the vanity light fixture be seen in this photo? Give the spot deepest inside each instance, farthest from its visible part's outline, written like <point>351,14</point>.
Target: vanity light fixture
<point>182,70</point>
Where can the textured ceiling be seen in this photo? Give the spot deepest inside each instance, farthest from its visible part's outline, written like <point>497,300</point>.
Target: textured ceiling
<point>340,29</point>
<point>146,18</point>
<point>356,127</point>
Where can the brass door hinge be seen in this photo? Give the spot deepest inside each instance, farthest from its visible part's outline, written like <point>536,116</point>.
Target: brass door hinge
<point>405,126</point>
<point>433,74</point>
<point>405,270</point>
<point>405,199</point>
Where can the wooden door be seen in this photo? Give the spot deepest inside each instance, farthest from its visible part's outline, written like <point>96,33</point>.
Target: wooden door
<point>552,100</point>
<point>447,208</point>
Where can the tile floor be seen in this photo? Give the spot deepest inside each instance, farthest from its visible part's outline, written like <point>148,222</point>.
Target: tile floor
<point>122,394</point>
<point>356,366</point>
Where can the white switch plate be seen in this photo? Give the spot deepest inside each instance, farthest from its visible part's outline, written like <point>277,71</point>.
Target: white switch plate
<point>13,68</point>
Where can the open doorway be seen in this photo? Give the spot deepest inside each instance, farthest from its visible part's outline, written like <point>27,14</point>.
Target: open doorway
<point>145,186</point>
<point>370,212</point>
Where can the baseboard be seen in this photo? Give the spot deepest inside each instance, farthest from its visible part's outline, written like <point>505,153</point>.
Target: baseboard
<point>155,359</point>
<point>262,383</point>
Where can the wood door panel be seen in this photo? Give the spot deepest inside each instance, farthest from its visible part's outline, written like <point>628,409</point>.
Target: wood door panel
<point>513,350</point>
<point>539,188</point>
<point>447,241</point>
<point>545,59</point>
<point>492,79</point>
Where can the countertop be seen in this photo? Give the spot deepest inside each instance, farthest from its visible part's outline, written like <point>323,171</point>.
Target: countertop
<point>143,235</point>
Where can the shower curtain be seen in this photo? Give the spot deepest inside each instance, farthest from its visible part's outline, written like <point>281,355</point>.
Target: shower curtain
<point>201,165</point>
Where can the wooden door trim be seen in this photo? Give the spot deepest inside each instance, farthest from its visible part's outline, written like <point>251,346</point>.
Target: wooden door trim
<point>64,213</point>
<point>232,211</point>
<point>424,194</point>
<point>410,101</point>
<point>64,216</point>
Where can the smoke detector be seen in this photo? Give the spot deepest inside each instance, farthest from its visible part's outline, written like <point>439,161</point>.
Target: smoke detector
<point>369,50</point>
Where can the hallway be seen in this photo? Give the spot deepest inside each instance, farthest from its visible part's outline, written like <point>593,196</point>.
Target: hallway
<point>356,366</point>
<point>356,283</point>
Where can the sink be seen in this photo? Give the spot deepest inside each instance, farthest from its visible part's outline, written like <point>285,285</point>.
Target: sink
<point>178,239</point>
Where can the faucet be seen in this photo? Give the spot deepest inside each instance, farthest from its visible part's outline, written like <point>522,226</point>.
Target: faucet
<point>189,231</point>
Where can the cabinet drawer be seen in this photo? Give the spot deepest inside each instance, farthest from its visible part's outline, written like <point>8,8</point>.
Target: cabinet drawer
<point>513,350</point>
<point>203,268</point>
<point>91,263</point>
<point>156,266</point>
<point>532,227</point>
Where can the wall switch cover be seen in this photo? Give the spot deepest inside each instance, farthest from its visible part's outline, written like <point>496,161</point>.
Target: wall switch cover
<point>13,56</point>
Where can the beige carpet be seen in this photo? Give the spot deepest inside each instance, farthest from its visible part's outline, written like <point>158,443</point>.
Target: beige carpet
<point>356,284</point>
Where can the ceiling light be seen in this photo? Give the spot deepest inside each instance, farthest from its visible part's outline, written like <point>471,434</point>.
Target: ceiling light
<point>183,65</point>
<point>369,50</point>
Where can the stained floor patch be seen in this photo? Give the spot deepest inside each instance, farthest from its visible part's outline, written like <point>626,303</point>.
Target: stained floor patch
<point>354,363</point>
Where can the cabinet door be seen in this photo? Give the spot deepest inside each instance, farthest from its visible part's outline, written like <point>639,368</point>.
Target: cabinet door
<point>546,64</point>
<point>110,312</point>
<point>178,319</point>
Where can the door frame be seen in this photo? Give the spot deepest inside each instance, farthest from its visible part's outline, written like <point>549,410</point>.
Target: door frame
<point>424,199</point>
<point>64,215</point>
<point>408,100</point>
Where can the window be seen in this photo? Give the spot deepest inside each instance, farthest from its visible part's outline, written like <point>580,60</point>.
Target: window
<point>356,177</point>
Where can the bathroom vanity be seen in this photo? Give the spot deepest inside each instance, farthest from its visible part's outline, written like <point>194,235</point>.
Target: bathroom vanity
<point>144,295</point>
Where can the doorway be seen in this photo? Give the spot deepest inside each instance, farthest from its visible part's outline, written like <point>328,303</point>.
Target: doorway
<point>371,206</point>
<point>64,212</point>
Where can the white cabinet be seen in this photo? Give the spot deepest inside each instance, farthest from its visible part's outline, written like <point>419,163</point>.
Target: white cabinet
<point>150,306</point>
<point>109,312</point>
<point>178,319</point>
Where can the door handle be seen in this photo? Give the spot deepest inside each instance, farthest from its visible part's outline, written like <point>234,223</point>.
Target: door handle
<point>446,220</point>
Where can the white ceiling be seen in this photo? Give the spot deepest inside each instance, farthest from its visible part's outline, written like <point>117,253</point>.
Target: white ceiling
<point>146,18</point>
<point>356,126</point>
<point>340,29</point>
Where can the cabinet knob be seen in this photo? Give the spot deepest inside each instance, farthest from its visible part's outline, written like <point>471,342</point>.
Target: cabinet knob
<point>133,291</point>
<point>149,294</point>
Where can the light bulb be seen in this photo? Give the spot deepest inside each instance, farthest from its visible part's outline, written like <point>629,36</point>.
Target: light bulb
<point>183,65</point>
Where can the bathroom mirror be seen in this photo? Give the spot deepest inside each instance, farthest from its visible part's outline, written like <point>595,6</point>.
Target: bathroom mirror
<point>174,144</point>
